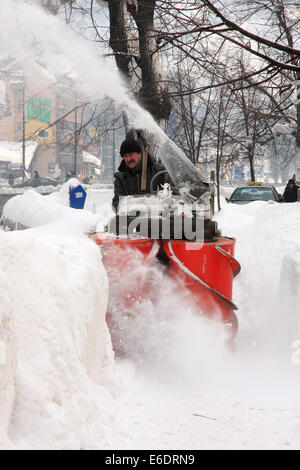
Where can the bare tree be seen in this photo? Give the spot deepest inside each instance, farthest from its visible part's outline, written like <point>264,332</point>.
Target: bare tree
<point>134,42</point>
<point>202,39</point>
<point>275,49</point>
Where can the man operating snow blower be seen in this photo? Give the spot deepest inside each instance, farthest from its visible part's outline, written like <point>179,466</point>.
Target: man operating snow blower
<point>172,226</point>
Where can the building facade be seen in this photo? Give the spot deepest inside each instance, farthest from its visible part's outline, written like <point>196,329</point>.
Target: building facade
<point>39,109</point>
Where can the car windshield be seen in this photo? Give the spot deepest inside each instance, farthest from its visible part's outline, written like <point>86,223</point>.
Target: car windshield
<point>253,194</point>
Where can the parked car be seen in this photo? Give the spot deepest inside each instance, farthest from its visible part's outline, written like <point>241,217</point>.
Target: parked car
<point>255,192</point>
<point>33,183</point>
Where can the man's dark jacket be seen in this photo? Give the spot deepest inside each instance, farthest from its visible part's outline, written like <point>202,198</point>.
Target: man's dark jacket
<point>290,194</point>
<point>128,181</point>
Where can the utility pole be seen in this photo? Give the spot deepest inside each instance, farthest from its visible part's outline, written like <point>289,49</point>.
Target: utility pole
<point>114,147</point>
<point>212,200</point>
<point>75,135</point>
<point>297,156</point>
<point>23,129</point>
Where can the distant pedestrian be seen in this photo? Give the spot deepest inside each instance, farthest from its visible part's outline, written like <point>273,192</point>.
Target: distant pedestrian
<point>36,179</point>
<point>70,174</point>
<point>11,179</point>
<point>291,191</point>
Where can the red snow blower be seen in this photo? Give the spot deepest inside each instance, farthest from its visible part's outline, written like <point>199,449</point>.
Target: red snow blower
<point>173,226</point>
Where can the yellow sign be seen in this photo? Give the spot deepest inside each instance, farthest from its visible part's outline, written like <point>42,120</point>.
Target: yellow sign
<point>93,131</point>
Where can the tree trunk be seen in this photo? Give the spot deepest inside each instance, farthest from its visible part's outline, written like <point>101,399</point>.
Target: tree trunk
<point>275,161</point>
<point>297,153</point>
<point>153,93</point>
<point>118,34</point>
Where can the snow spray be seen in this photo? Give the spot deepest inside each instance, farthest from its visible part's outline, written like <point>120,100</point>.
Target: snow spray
<point>155,323</point>
<point>40,42</point>
<point>51,48</point>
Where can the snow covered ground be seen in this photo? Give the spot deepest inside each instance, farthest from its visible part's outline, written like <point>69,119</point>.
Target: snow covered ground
<point>178,388</point>
<point>198,396</point>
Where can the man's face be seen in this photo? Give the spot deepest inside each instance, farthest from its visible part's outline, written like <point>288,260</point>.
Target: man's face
<point>291,185</point>
<point>132,159</point>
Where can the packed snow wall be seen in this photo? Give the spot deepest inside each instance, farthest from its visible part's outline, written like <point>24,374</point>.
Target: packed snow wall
<point>8,355</point>
<point>53,298</point>
<point>267,292</point>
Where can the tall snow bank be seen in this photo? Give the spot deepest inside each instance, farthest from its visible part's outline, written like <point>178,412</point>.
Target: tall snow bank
<point>267,289</point>
<point>54,298</point>
<point>8,354</point>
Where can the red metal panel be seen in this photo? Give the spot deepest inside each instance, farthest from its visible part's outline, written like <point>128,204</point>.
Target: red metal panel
<point>144,245</point>
<point>210,265</point>
<point>205,269</point>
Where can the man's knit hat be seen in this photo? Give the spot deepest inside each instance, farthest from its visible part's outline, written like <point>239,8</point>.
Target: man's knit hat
<point>130,146</point>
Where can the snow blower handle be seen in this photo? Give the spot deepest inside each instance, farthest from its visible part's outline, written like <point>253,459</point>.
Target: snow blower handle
<point>144,170</point>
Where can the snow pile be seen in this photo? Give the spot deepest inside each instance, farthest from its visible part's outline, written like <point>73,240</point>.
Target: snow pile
<point>54,292</point>
<point>16,191</point>
<point>32,209</point>
<point>267,291</point>
<point>8,353</point>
